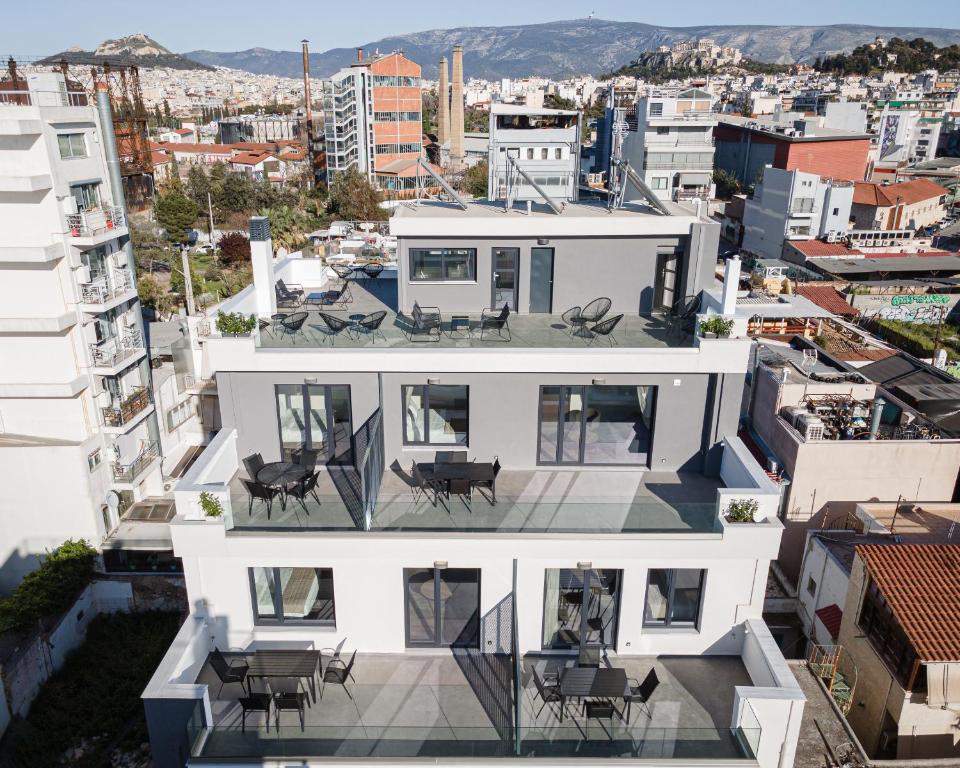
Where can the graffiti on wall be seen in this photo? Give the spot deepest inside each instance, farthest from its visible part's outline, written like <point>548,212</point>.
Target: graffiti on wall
<point>907,308</point>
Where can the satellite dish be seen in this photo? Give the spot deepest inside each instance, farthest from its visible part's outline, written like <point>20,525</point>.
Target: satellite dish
<point>113,500</point>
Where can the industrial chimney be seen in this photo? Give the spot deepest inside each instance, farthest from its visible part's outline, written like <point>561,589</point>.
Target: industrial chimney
<point>443,108</point>
<point>359,55</point>
<point>456,109</point>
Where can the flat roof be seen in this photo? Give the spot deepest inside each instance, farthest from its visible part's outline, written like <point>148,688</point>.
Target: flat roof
<point>483,218</point>
<point>769,128</point>
<point>520,109</point>
<point>905,263</point>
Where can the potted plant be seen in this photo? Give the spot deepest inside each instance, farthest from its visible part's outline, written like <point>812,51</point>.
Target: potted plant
<point>210,504</point>
<point>715,326</point>
<point>742,510</point>
<point>235,324</point>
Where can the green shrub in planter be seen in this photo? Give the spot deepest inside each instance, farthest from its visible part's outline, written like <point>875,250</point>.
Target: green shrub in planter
<point>716,325</point>
<point>742,510</point>
<point>235,324</point>
<point>210,505</point>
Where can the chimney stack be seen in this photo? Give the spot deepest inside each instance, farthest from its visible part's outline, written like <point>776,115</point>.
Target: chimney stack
<point>261,257</point>
<point>456,109</point>
<point>443,108</point>
<point>359,55</point>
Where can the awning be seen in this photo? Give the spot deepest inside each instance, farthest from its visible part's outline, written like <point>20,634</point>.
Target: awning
<point>695,179</point>
<point>831,616</point>
<point>943,685</point>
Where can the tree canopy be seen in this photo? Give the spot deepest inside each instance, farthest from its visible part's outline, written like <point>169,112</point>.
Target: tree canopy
<point>175,213</point>
<point>352,198</point>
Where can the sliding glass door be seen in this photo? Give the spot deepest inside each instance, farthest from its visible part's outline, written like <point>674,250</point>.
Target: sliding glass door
<point>442,607</point>
<point>596,424</point>
<point>315,417</point>
<point>581,607</point>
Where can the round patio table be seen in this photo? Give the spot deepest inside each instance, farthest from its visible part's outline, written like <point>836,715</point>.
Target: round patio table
<point>279,475</point>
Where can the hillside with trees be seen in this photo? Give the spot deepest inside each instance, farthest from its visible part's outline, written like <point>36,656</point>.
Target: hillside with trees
<point>896,55</point>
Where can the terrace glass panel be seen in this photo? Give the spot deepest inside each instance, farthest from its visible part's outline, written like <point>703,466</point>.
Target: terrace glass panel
<point>291,410</point>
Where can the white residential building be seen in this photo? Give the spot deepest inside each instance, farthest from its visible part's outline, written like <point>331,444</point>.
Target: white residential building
<point>505,503</point>
<point>78,432</point>
<point>667,137</point>
<point>906,136</point>
<point>794,205</point>
<point>533,146</point>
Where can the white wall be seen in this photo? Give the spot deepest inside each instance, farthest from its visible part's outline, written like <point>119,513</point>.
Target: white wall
<point>831,588</point>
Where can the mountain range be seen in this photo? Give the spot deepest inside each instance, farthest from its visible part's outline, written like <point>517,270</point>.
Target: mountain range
<point>579,46</point>
<point>139,49</point>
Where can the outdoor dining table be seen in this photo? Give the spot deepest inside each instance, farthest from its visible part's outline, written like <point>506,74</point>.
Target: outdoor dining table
<point>297,663</point>
<point>470,471</point>
<point>280,474</point>
<point>592,683</point>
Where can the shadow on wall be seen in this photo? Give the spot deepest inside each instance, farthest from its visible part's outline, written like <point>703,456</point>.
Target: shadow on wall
<point>15,567</point>
<point>490,675</point>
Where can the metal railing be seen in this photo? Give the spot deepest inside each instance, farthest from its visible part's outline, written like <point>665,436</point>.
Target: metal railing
<point>95,221</point>
<point>679,166</point>
<point>112,352</point>
<point>136,402</point>
<point>103,287</point>
<point>803,205</point>
<point>26,98</point>
<point>127,473</point>
<point>663,140</point>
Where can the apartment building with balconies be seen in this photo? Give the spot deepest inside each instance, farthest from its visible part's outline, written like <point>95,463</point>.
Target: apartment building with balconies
<point>507,467</point>
<point>78,434</point>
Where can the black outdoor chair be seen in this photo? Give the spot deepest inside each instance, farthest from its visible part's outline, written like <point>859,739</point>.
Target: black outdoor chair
<point>547,690</point>
<point>424,321</point>
<point>605,328</point>
<point>599,709</point>
<point>372,271</point>
<point>307,458</point>
<point>288,696</point>
<point>336,298</point>
<point>233,671</point>
<point>491,484</point>
<point>573,319</point>
<point>308,486</point>
<point>370,325</point>
<point>423,487</point>
<point>498,322</point>
<point>335,325</point>
<point>595,310</point>
<point>255,701</point>
<point>343,271</point>
<point>641,692</point>
<point>589,656</point>
<point>449,457</point>
<point>260,491</point>
<point>253,464</point>
<point>338,672</point>
<point>287,298</point>
<point>293,324</point>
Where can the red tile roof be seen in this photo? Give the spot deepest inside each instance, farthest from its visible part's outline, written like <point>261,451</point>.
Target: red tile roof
<point>250,158</point>
<point>159,158</point>
<point>829,298</point>
<point>812,248</point>
<point>888,195</point>
<point>200,149</point>
<point>921,584</point>
<point>831,616</point>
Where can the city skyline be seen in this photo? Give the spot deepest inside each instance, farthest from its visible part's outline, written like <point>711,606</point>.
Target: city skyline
<point>211,30</point>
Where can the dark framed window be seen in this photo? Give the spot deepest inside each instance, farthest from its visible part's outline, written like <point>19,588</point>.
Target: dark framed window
<point>443,264</point>
<point>674,597</point>
<point>436,414</point>
<point>442,607</point>
<point>890,642</point>
<point>292,596</point>
<point>605,424</point>
<point>315,417</point>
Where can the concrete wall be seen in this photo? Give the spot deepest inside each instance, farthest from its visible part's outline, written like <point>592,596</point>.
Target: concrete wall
<point>689,410</point>
<point>621,268</point>
<point>830,588</point>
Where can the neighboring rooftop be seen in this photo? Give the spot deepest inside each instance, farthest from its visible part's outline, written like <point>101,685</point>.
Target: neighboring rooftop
<point>916,262</point>
<point>817,248</point>
<point>921,584</point>
<point>828,298</point>
<point>768,126</point>
<point>889,195</point>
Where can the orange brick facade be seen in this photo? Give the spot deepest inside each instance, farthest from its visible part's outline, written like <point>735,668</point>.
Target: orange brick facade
<point>845,160</point>
<point>395,98</point>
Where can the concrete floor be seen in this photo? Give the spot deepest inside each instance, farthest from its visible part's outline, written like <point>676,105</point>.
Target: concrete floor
<point>460,704</point>
<point>526,330</point>
<point>812,750</point>
<point>527,501</point>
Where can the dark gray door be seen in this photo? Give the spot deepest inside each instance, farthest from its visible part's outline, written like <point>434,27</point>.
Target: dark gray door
<point>506,266</point>
<point>541,280</point>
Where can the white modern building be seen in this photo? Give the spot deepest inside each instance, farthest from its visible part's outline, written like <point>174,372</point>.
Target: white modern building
<point>794,205</point>
<point>78,429</point>
<point>906,136</point>
<point>667,137</point>
<point>533,147</point>
<point>511,511</point>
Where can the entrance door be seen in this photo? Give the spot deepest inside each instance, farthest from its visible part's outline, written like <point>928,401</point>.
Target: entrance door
<point>442,607</point>
<point>506,267</point>
<point>541,280</point>
<point>581,607</point>
<point>665,285</point>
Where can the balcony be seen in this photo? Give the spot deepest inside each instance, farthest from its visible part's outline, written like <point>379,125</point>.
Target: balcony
<point>95,226</point>
<point>128,409</point>
<point>29,98</point>
<point>111,356</point>
<point>130,472</point>
<point>107,289</point>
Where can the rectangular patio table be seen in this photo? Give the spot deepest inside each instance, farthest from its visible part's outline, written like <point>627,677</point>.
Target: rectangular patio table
<point>471,471</point>
<point>592,683</point>
<point>286,663</point>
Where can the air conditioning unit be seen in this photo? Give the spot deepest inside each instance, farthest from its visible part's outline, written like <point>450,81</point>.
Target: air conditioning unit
<point>790,414</point>
<point>83,274</point>
<point>810,426</point>
<point>832,236</point>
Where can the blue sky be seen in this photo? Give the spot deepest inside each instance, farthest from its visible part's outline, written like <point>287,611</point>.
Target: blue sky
<point>27,28</point>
